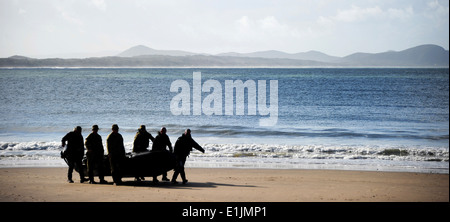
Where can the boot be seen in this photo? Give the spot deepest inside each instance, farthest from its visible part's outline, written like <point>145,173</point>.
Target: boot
<point>69,178</point>
<point>183,177</point>
<point>174,177</point>
<point>102,180</point>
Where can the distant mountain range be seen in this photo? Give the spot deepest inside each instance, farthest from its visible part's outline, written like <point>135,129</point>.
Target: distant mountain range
<point>141,50</point>
<point>143,56</point>
<point>272,54</point>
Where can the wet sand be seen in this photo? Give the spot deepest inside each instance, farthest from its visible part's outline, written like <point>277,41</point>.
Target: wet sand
<point>229,185</point>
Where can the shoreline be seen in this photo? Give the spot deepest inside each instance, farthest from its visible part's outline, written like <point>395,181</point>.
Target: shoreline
<point>48,184</point>
<point>239,166</point>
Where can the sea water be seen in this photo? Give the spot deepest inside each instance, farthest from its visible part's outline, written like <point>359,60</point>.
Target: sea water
<point>353,119</point>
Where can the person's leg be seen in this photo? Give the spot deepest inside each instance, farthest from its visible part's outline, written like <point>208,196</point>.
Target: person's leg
<point>182,173</point>
<point>90,167</point>
<point>79,163</point>
<point>70,170</point>
<point>101,169</point>
<point>114,169</point>
<point>176,170</point>
<point>175,175</point>
<point>165,177</point>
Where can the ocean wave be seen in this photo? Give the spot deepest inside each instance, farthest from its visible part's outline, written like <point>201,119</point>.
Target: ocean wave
<point>234,130</point>
<point>257,132</point>
<point>397,153</point>
<point>29,146</point>
<point>363,157</point>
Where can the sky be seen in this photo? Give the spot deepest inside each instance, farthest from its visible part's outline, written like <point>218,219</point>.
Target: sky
<point>45,28</point>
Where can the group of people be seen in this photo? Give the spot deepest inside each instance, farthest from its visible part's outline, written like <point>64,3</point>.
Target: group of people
<point>74,152</point>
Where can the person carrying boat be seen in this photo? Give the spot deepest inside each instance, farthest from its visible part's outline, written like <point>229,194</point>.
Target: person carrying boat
<point>116,153</point>
<point>159,144</point>
<point>182,149</point>
<point>74,152</point>
<point>140,144</point>
<point>94,154</point>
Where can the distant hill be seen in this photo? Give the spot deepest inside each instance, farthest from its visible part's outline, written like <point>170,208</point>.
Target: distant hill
<point>142,56</point>
<point>144,50</point>
<point>18,57</point>
<point>311,55</point>
<point>423,55</point>
<point>160,61</point>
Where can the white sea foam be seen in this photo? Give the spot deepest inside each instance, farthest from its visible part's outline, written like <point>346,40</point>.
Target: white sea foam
<point>388,158</point>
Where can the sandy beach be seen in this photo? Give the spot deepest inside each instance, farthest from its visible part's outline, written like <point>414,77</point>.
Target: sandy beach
<point>229,185</point>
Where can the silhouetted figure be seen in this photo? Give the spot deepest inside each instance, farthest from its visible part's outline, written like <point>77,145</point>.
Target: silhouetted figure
<point>94,154</point>
<point>141,142</point>
<point>182,149</point>
<point>159,144</point>
<point>116,153</point>
<point>74,152</point>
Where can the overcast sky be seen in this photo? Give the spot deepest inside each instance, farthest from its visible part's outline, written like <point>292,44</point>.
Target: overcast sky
<point>336,27</point>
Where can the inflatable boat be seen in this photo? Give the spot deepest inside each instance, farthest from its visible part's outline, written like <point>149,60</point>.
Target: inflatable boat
<point>145,164</point>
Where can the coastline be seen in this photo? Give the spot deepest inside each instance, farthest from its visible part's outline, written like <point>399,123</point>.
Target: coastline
<point>40,184</point>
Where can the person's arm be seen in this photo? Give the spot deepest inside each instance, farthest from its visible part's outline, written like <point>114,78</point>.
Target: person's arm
<point>169,144</point>
<point>151,137</point>
<point>64,139</point>
<point>88,143</point>
<point>196,146</point>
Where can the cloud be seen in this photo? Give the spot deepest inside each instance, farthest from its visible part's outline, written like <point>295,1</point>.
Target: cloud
<point>358,14</point>
<point>243,22</point>
<point>22,11</point>
<point>437,9</point>
<point>401,13</point>
<point>270,23</point>
<point>325,21</point>
<point>100,4</point>
<point>436,5</point>
<point>265,25</point>
<point>241,33</point>
<point>71,19</point>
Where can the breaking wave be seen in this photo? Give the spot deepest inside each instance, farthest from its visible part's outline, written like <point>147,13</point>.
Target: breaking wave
<point>51,150</point>
<point>327,152</point>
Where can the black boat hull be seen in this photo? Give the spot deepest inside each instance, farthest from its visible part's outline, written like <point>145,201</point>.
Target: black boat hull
<point>145,164</point>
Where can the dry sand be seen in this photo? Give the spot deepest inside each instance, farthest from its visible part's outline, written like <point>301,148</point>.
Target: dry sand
<point>230,185</point>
